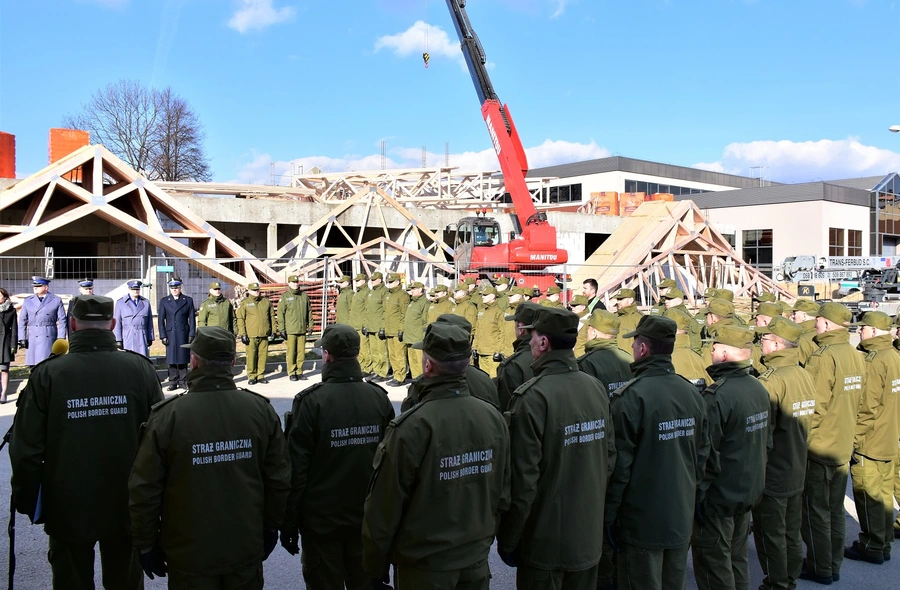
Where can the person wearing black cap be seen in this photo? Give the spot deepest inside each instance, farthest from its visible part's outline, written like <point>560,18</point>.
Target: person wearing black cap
<point>516,369</point>
<point>211,477</point>
<point>295,323</point>
<point>73,446</point>
<point>216,310</point>
<point>564,414</point>
<point>333,431</point>
<point>661,443</point>
<point>177,326</point>
<point>441,477</point>
<point>42,320</point>
<point>85,287</point>
<point>134,320</point>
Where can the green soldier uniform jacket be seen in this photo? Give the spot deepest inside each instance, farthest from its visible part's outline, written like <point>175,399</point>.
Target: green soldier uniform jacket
<point>514,371</point>
<point>217,311</point>
<point>74,446</point>
<point>737,409</point>
<point>438,308</point>
<point>415,322</point>
<point>396,301</point>
<point>628,321</point>
<point>335,427</point>
<point>582,339</point>
<point>606,363</point>
<point>211,473</point>
<point>792,400</point>
<point>838,371</point>
<point>343,306</point>
<point>294,312</point>
<point>465,308</point>
<point>688,363</point>
<point>662,446</point>
<point>562,446</point>
<point>450,450</point>
<point>256,317</point>
<point>488,329</point>
<point>479,383</point>
<point>876,425</point>
<point>503,300</point>
<point>374,318</point>
<point>509,334</point>
<point>548,303</point>
<point>358,308</point>
<point>807,344</point>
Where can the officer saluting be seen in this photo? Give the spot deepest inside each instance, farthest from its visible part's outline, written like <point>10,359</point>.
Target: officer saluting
<point>177,326</point>
<point>72,448</point>
<point>211,477</point>
<point>134,320</point>
<point>41,321</point>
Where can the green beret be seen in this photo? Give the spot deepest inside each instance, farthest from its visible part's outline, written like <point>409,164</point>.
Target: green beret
<point>445,342</point>
<point>524,313</point>
<point>339,340</point>
<point>673,293</point>
<point>736,336</point>
<point>604,321</point>
<point>835,312</point>
<point>93,308</point>
<point>555,322</point>
<point>625,294</point>
<point>783,328</point>
<point>655,327</point>
<point>721,308</point>
<point>769,309</point>
<point>875,319</point>
<point>212,343</point>
<point>807,306</point>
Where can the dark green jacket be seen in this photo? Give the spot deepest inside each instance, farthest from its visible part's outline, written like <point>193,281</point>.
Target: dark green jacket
<point>76,432</point>
<point>563,450</point>
<point>374,318</point>
<point>839,373</point>
<point>514,371</point>
<point>335,427</point>
<point>256,317</point>
<point>396,301</point>
<point>415,321</point>
<point>876,423</point>
<point>211,473</point>
<point>358,308</point>
<point>441,480</point>
<point>342,307</point>
<point>438,308</point>
<point>217,311</point>
<point>807,342</point>
<point>465,308</point>
<point>662,445</point>
<point>605,362</point>
<point>294,312</point>
<point>740,434</point>
<point>479,383</point>
<point>688,363</point>
<point>792,400</point>
<point>489,325</point>
<point>628,321</point>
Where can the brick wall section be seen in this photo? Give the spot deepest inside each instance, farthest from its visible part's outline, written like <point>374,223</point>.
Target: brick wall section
<point>7,155</point>
<point>65,141</point>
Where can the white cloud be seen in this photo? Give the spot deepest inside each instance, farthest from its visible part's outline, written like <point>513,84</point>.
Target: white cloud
<point>560,8</point>
<point>256,15</point>
<point>806,161</point>
<point>412,42</point>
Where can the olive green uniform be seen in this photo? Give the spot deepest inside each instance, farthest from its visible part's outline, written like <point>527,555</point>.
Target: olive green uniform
<point>514,371</point>
<point>740,434</point>
<point>582,339</point>
<point>807,342</point>
<point>295,320</point>
<point>838,371</point>
<point>438,308</point>
<point>553,304</point>
<point>441,481</point>
<point>661,443</point>
<point>872,469</point>
<point>776,519</point>
<point>503,299</point>
<point>396,302</point>
<point>509,333</point>
<point>217,311</point>
<point>628,321</point>
<point>205,458</point>
<point>335,427</point>
<point>75,436</point>
<point>414,331</point>
<point>606,363</point>
<point>689,364</point>
<point>256,320</point>
<point>466,309</point>
<point>489,337</point>
<point>343,306</point>
<point>357,321</point>
<point>374,322</point>
<point>695,328</point>
<point>562,445</point>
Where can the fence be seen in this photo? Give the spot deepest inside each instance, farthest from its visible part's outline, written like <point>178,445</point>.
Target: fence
<point>108,273</point>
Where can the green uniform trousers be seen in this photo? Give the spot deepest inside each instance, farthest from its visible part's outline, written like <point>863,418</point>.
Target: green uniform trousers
<point>249,578</point>
<point>257,355</point>
<point>296,353</point>
<point>897,491</point>
<point>720,550</point>
<point>397,355</point>
<point>365,359</point>
<point>378,354</point>
<point>606,569</point>
<point>72,564</point>
<point>477,577</point>
<point>651,569</point>
<point>328,565</point>
<point>415,362</point>
<point>776,532</point>
<point>873,492</point>
<point>486,363</point>
<point>823,526</point>
<point>529,578</point>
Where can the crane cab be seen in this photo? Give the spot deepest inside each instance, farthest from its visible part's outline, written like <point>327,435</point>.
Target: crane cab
<point>474,232</point>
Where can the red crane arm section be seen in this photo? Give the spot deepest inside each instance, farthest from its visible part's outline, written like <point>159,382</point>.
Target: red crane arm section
<point>511,154</point>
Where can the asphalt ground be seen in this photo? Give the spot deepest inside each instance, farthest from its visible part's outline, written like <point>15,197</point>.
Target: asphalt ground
<point>282,571</point>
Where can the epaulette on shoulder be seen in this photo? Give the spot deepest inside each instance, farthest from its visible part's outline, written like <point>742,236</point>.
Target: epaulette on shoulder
<point>480,369</point>
<point>714,387</point>
<point>624,386</point>
<point>137,354</point>
<point>399,419</point>
<point>819,351</point>
<point>308,390</point>
<point>268,401</point>
<point>377,386</point>
<point>871,356</point>
<point>521,389</point>
<point>48,359</point>
<point>169,400</point>
<point>768,374</point>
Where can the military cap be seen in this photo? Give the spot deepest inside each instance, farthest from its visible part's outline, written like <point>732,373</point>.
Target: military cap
<point>682,320</point>
<point>445,341</point>
<point>440,289</point>
<point>673,293</point>
<point>897,320</point>
<point>711,293</point>
<point>524,313</point>
<point>253,287</point>
<point>468,280</point>
<point>377,276</point>
<point>460,287</point>
<point>733,336</point>
<point>416,285</point>
<point>212,343</point>
<point>726,294</point>
<point>785,306</point>
<point>345,279</point>
<point>721,308</point>
<point>604,321</point>
<point>625,294</point>
<point>766,297</point>
<point>175,283</point>
<point>455,320</point>
<point>783,328</point>
<point>135,284</point>
<point>489,291</point>
<point>835,312</point>
<point>517,291</point>
<point>94,308</point>
<point>552,321</point>
<point>293,279</point>
<point>667,284</point>
<point>579,300</point>
<point>215,285</point>
<point>806,305</point>
<point>86,283</point>
<point>875,319</point>
<point>654,327</point>
<point>35,281</point>
<point>501,281</point>
<point>360,276</point>
<point>769,309</point>
<point>393,277</point>
<point>554,290</point>
<point>339,340</point>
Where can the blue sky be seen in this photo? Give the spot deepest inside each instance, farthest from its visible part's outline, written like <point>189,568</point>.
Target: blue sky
<point>805,87</point>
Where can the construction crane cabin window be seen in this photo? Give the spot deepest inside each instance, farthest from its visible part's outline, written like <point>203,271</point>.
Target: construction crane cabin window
<point>486,235</point>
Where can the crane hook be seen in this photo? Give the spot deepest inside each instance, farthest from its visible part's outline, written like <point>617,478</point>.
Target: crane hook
<point>427,57</point>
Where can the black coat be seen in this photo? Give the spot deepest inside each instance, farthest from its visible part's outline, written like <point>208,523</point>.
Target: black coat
<point>178,323</point>
<point>9,335</point>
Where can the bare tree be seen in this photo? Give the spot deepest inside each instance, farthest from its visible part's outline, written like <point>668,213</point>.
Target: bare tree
<point>154,131</point>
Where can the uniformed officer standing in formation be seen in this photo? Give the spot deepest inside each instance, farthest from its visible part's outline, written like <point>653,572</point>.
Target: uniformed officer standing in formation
<point>804,315</point>
<point>661,444</point>
<point>489,332</point>
<point>688,363</point>
<point>42,320</point>
<point>719,313</point>
<point>562,445</point>
<point>344,301</point>
<point>210,479</point>
<point>442,304</point>
<point>85,287</point>
<point>509,329</point>
<point>839,374</point>
<point>502,286</point>
<point>629,316</point>
<point>396,302</point>
<point>414,327</point>
<point>333,431</point>
<point>256,326</point>
<point>792,399</point>
<point>441,478</point>
<point>374,327</point>
<point>516,369</point>
<point>579,306</point>
<point>177,326</point>
<point>72,447</point>
<point>873,465</point>
<point>134,321</point>
<point>295,323</point>
<point>218,311</point>
<point>737,411</point>
<point>358,319</point>
<point>463,305</point>
<point>662,290</point>
<point>552,298</point>
<point>603,360</point>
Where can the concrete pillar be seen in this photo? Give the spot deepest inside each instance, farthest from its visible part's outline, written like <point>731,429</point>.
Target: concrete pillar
<point>271,240</point>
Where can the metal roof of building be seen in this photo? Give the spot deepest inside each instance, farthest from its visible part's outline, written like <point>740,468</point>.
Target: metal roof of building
<point>866,183</point>
<point>783,193</point>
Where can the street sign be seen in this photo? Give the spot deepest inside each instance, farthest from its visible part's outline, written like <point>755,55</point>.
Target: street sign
<point>165,269</point>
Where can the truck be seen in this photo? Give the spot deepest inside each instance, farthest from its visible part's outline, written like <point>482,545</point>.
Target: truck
<point>809,268</point>
<point>881,293</point>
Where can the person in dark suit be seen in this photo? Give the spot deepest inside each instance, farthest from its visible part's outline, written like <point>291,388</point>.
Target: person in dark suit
<point>177,326</point>
<point>9,336</point>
